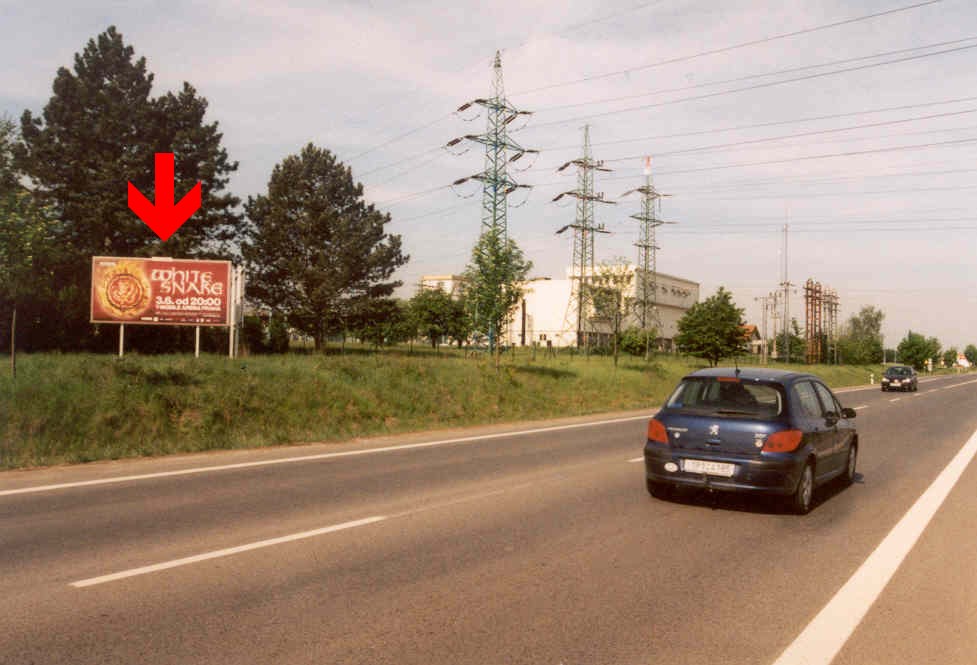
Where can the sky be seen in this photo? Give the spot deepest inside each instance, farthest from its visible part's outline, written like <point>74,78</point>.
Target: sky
<point>742,105</point>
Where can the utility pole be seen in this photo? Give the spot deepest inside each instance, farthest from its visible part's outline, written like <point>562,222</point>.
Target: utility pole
<point>767,303</point>
<point>496,183</point>
<point>584,230</point>
<point>785,285</point>
<point>647,254</point>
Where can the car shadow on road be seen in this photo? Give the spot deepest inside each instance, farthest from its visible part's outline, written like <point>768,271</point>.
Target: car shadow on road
<point>746,503</point>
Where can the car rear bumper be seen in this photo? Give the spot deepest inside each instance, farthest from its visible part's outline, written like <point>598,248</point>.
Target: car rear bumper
<point>771,474</point>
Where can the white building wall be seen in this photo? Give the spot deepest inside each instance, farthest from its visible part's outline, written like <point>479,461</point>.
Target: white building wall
<point>546,310</point>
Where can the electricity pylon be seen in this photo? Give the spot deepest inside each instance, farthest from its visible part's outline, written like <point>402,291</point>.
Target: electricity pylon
<point>584,230</point>
<point>496,183</point>
<point>490,308</point>
<point>647,294</point>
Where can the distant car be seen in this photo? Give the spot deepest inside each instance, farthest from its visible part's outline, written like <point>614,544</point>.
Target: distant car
<point>900,377</point>
<point>751,430</point>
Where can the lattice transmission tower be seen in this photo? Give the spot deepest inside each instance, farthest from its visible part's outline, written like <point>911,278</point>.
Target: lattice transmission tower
<point>646,288</point>
<point>490,308</point>
<point>496,183</point>
<point>584,231</point>
<point>813,320</point>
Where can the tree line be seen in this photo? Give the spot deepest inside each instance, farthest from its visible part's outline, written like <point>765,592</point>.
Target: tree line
<point>319,257</point>
<point>713,330</point>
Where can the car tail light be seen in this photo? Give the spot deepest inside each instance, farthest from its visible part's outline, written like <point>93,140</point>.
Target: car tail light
<point>784,441</point>
<point>656,431</point>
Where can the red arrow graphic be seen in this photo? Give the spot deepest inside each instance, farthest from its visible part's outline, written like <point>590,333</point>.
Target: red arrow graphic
<point>165,217</point>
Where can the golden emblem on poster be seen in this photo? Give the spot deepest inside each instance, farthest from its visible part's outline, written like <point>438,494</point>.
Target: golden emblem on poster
<point>123,290</point>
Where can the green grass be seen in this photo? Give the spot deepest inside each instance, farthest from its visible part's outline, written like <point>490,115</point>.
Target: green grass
<point>78,408</point>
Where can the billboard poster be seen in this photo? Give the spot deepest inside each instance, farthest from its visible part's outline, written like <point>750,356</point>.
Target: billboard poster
<point>160,291</point>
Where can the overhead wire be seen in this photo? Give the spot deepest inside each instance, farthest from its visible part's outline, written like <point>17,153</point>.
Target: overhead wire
<point>750,77</point>
<point>727,49</point>
<point>783,137</point>
<point>852,153</point>
<point>757,86</point>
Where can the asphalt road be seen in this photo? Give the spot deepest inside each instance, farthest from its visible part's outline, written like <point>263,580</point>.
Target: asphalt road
<point>488,546</point>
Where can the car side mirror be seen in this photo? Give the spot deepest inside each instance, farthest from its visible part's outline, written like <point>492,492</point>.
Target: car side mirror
<point>848,412</point>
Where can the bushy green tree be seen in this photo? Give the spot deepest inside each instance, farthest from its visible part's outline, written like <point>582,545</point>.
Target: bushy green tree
<point>950,356</point>
<point>711,329</point>
<point>385,322</point>
<point>633,340</point>
<point>27,249</point>
<point>915,350</point>
<point>316,251</point>
<point>494,281</point>
<point>100,130</point>
<point>970,353</point>
<point>610,292</point>
<point>861,340</point>
<point>438,316</point>
<point>791,342</point>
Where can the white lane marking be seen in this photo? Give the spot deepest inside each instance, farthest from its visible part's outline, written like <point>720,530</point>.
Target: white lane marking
<point>144,570</point>
<point>636,459</point>
<point>225,552</point>
<point>895,399</point>
<point>827,633</point>
<point>957,385</point>
<point>321,456</point>
<point>863,406</point>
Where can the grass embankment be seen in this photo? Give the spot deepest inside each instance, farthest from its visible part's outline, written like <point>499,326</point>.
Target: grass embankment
<point>80,408</point>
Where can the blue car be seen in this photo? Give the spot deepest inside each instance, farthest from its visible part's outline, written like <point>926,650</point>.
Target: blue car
<point>751,430</point>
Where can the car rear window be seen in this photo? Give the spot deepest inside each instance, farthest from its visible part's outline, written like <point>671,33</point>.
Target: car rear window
<point>727,397</point>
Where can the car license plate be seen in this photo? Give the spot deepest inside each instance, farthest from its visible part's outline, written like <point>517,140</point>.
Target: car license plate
<point>710,468</point>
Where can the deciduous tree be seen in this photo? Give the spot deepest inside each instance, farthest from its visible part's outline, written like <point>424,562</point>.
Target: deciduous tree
<point>861,341</point>
<point>612,296</point>
<point>711,329</point>
<point>438,315</point>
<point>494,281</point>
<point>915,349</point>
<point>970,353</point>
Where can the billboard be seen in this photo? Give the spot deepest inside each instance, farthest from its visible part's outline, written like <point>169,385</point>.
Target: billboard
<point>160,291</point>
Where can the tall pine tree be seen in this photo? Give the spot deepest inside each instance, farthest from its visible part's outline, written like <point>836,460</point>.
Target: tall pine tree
<point>100,130</point>
<point>317,252</point>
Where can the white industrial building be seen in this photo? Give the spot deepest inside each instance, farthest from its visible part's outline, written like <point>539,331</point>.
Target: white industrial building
<point>547,314</point>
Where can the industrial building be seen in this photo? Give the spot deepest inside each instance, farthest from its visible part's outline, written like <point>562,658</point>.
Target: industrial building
<point>547,313</point>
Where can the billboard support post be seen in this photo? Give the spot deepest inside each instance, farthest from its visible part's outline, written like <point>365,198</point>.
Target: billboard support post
<point>122,333</point>
<point>230,319</point>
<point>196,342</point>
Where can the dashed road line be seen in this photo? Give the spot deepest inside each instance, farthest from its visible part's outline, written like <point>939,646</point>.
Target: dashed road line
<point>144,570</point>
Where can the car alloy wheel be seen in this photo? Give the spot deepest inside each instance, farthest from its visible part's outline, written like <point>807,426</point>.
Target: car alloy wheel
<point>805,491</point>
<point>852,461</point>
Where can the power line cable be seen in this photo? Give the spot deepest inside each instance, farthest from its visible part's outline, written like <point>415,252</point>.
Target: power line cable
<point>727,49</point>
<point>739,79</point>
<point>736,128</point>
<point>756,86</point>
<point>792,159</point>
<point>570,28</point>
<point>782,137</point>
